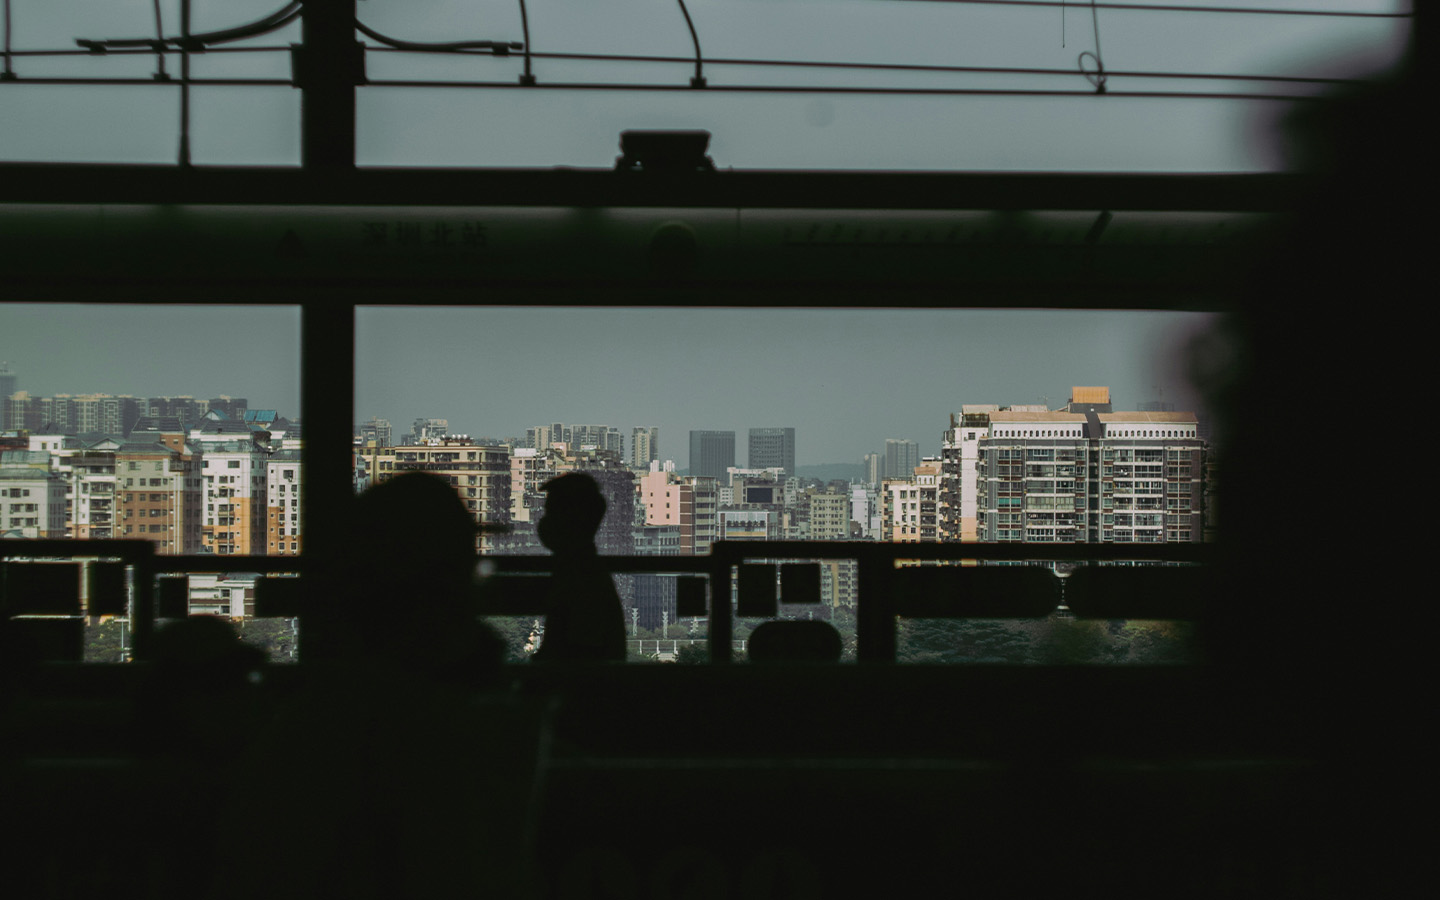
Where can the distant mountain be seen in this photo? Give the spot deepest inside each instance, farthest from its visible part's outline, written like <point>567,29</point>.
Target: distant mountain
<point>833,471</point>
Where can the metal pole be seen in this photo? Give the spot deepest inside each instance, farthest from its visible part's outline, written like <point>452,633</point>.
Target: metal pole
<point>328,65</point>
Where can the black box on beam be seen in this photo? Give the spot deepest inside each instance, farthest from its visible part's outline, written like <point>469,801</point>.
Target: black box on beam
<point>800,583</point>
<point>279,598</point>
<point>108,595</point>
<point>757,591</point>
<point>42,589</point>
<point>690,596</point>
<point>172,599</point>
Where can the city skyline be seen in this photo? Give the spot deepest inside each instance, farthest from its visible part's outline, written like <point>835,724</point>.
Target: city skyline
<point>846,380</point>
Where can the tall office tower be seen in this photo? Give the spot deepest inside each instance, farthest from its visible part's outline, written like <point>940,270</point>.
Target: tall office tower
<point>712,453</point>
<point>901,458</point>
<point>772,448</point>
<point>1088,474</point>
<point>644,446</point>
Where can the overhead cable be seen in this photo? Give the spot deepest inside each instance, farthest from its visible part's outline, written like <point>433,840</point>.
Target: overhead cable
<point>199,42</point>
<point>1155,7</point>
<point>699,80</point>
<point>499,48</point>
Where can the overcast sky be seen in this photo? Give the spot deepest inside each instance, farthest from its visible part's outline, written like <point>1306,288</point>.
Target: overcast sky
<point>844,379</point>
<point>259,125</point>
<point>871,375</point>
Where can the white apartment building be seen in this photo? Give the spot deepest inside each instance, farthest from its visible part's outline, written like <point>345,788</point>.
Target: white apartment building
<point>32,503</point>
<point>1082,474</point>
<point>284,520</point>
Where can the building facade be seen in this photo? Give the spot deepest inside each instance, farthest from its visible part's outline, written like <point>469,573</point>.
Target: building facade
<point>712,453</point>
<point>644,446</point>
<point>1088,474</point>
<point>772,448</point>
<point>901,458</point>
<point>284,519</point>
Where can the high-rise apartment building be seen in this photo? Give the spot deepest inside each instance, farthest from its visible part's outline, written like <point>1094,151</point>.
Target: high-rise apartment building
<point>644,446</point>
<point>910,506</point>
<point>426,430</point>
<point>376,430</point>
<point>32,503</point>
<point>187,410</point>
<point>901,458</point>
<point>1082,474</point>
<point>772,448</point>
<point>874,469</point>
<point>480,475</point>
<point>8,386</point>
<point>827,516</point>
<point>686,502</point>
<point>158,480</point>
<point>284,519</point>
<point>232,407</point>
<point>712,453</point>
<point>72,414</point>
<point>234,474</point>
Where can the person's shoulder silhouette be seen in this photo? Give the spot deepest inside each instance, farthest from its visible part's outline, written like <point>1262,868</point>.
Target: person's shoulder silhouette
<point>584,621</point>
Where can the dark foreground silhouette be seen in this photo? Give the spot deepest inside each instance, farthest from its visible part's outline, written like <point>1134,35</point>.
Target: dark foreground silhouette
<point>399,770</point>
<point>584,621</point>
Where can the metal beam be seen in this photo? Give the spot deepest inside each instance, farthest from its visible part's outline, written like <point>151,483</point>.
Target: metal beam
<point>327,180</point>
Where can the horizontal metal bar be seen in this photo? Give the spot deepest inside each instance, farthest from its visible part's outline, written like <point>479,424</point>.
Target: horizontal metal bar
<point>752,189</point>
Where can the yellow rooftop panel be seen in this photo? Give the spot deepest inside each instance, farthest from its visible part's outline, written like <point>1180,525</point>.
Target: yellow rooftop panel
<point>1148,417</point>
<point>1052,416</point>
<point>1090,395</point>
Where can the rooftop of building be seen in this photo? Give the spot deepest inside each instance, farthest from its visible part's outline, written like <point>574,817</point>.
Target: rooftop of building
<point>25,458</point>
<point>1011,415</point>
<point>1150,417</point>
<point>28,473</point>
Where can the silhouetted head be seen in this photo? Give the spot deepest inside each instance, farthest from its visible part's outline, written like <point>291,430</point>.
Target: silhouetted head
<point>574,508</point>
<point>413,537</point>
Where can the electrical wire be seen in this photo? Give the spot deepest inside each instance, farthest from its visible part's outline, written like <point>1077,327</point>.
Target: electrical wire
<point>1153,7</point>
<point>699,80</point>
<point>161,74</point>
<point>1096,78</point>
<point>498,48</point>
<point>199,42</point>
<point>9,73</point>
<point>819,89</point>
<point>925,67</point>
<point>527,78</point>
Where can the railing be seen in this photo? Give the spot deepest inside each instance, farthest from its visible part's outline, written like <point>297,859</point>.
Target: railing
<point>939,580</point>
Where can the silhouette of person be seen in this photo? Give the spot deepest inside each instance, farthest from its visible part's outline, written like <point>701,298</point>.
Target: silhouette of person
<point>584,621</point>
<point>196,710</point>
<point>390,774</point>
